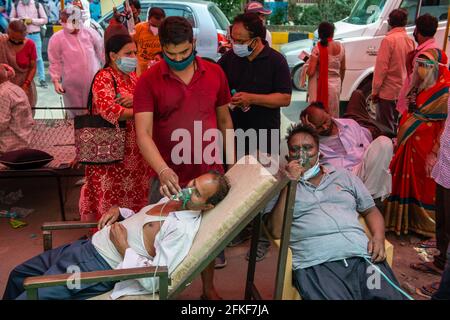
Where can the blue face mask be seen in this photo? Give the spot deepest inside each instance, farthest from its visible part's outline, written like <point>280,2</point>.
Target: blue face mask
<point>242,50</point>
<point>180,65</point>
<point>311,172</point>
<point>126,64</point>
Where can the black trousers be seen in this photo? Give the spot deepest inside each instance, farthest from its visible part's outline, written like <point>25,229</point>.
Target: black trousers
<point>349,279</point>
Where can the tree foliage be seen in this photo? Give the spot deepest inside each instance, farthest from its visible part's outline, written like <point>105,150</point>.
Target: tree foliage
<point>325,10</point>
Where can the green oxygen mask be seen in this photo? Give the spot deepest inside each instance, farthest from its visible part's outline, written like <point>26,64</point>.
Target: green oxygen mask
<point>184,196</point>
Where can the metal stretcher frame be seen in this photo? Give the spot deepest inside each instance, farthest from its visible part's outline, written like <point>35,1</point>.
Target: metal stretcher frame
<point>45,172</point>
<point>58,174</point>
<point>251,291</point>
<point>31,285</point>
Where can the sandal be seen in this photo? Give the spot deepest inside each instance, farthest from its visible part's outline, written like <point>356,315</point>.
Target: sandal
<point>426,267</point>
<point>430,290</point>
<point>428,244</point>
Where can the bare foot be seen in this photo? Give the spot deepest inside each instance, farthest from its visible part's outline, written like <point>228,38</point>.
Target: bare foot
<point>211,295</point>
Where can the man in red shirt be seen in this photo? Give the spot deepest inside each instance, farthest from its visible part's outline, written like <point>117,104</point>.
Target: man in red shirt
<point>178,104</point>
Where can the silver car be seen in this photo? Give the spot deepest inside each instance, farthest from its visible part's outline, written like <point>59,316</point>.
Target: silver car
<point>208,21</point>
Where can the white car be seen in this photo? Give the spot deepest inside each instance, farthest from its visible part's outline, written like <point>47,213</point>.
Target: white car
<point>208,21</point>
<point>361,34</point>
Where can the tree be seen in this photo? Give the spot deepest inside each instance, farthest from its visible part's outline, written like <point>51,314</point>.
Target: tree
<point>326,10</point>
<point>230,8</point>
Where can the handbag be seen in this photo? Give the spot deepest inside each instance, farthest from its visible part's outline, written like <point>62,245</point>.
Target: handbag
<point>98,141</point>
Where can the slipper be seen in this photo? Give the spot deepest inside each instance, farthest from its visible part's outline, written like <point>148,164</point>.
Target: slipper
<point>430,289</point>
<point>428,244</point>
<point>425,268</point>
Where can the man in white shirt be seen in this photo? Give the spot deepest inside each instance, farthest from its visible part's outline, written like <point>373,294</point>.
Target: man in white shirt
<point>16,119</point>
<point>159,234</point>
<point>33,15</point>
<point>346,144</point>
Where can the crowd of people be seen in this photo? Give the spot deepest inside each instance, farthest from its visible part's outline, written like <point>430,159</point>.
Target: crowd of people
<point>152,78</point>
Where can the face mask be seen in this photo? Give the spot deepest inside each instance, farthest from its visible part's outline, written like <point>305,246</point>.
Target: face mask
<point>180,65</point>
<point>154,30</point>
<point>184,195</point>
<point>126,64</point>
<point>242,50</point>
<point>69,27</point>
<point>16,43</point>
<point>26,2</point>
<point>311,172</point>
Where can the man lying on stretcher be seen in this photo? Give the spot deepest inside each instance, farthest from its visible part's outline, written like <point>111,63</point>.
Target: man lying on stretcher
<point>159,234</point>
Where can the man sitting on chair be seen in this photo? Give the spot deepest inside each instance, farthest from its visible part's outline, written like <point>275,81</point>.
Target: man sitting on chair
<point>332,256</point>
<point>346,144</point>
<point>160,234</point>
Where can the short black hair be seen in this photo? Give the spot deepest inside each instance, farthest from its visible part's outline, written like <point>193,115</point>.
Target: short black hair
<point>134,3</point>
<point>302,128</point>
<point>325,31</point>
<point>175,30</point>
<point>316,104</point>
<point>156,12</point>
<point>17,26</point>
<point>427,25</point>
<point>222,190</point>
<point>398,18</point>
<point>252,23</point>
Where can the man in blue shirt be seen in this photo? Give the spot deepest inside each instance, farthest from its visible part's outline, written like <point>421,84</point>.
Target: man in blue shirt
<point>332,257</point>
<point>96,9</point>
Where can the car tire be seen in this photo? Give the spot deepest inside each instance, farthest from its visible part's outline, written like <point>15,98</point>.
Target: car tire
<point>366,88</point>
<point>296,78</point>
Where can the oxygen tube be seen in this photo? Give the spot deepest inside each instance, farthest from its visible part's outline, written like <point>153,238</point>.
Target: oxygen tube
<point>365,258</point>
<point>185,196</point>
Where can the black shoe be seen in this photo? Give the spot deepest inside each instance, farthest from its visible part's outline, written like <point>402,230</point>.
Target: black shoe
<point>241,237</point>
<point>261,251</point>
<point>43,84</point>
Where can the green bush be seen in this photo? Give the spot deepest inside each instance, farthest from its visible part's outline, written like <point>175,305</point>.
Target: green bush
<point>325,10</point>
<point>277,17</point>
<point>231,8</point>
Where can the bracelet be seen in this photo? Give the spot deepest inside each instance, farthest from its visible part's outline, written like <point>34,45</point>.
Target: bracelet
<point>162,170</point>
<point>28,82</point>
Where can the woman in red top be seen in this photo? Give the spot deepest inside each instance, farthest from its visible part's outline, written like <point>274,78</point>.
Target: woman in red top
<point>20,53</point>
<point>126,183</point>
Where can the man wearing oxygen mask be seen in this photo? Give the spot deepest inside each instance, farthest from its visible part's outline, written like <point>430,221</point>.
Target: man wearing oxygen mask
<point>178,102</point>
<point>158,235</point>
<point>332,257</point>
<point>75,54</point>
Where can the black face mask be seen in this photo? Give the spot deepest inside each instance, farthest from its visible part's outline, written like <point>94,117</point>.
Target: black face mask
<point>17,43</point>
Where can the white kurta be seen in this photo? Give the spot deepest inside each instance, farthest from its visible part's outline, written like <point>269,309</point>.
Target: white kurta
<point>74,60</point>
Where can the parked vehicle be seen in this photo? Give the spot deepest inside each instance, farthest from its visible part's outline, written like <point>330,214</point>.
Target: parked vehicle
<point>361,34</point>
<point>208,21</point>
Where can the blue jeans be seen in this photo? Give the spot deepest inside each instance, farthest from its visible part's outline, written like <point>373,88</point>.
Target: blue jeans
<point>36,37</point>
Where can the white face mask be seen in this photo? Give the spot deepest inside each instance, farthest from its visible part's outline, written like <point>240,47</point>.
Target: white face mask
<point>154,30</point>
<point>313,171</point>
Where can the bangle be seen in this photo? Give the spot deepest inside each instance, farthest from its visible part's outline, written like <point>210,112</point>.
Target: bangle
<point>28,82</point>
<point>162,170</point>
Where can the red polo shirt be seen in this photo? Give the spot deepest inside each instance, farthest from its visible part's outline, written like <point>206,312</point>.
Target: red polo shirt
<point>176,105</point>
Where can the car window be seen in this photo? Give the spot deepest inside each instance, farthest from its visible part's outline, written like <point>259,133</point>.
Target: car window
<point>411,7</point>
<point>437,8</point>
<point>178,11</point>
<point>220,20</point>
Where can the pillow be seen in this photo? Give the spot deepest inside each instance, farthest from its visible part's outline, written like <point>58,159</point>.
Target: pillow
<point>25,159</point>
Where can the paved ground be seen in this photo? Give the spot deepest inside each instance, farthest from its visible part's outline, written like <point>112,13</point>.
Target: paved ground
<point>17,245</point>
